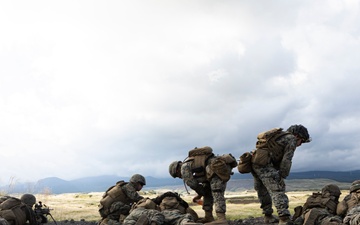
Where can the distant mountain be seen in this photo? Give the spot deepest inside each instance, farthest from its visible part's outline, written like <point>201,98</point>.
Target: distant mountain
<point>238,181</point>
<point>347,176</point>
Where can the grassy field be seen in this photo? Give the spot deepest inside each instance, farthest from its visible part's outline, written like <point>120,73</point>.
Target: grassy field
<point>79,206</point>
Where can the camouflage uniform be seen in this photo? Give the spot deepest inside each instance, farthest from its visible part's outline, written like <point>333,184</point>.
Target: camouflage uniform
<point>173,201</point>
<point>153,216</point>
<point>320,208</point>
<point>175,210</point>
<point>176,217</point>
<point>116,208</point>
<point>349,207</point>
<point>353,216</point>
<point>212,191</point>
<point>207,175</point>
<point>269,179</point>
<point>15,212</point>
<point>168,208</point>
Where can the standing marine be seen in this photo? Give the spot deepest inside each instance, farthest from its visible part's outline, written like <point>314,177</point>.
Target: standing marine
<point>207,175</point>
<point>271,164</point>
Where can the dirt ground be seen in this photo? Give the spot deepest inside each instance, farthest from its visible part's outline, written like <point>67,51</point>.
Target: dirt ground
<point>250,221</point>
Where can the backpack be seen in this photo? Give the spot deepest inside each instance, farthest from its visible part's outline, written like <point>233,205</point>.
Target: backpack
<point>169,203</point>
<point>244,165</point>
<point>14,211</point>
<point>222,166</point>
<point>113,194</point>
<point>317,200</point>
<point>266,141</point>
<point>199,158</point>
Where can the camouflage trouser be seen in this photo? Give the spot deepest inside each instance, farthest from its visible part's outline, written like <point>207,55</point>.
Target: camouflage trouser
<point>151,214</point>
<point>270,189</point>
<point>117,212</point>
<point>216,195</point>
<point>175,217</point>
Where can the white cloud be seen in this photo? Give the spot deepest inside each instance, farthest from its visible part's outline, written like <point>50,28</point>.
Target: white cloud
<point>90,88</point>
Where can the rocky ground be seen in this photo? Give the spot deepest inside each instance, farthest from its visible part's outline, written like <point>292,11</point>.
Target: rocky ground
<point>250,221</point>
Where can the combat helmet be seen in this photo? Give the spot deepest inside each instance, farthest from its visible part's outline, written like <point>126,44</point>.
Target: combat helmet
<point>28,199</point>
<point>355,186</point>
<point>301,131</point>
<point>173,168</point>
<point>137,178</point>
<point>332,189</point>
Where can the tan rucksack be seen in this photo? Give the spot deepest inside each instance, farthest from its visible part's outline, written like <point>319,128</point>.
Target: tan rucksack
<point>265,139</point>
<point>113,194</point>
<point>244,165</point>
<point>14,211</point>
<point>199,157</point>
<point>222,166</point>
<point>267,149</point>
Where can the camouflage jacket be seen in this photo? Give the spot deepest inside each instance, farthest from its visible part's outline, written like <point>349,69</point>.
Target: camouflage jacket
<point>151,214</point>
<point>285,160</point>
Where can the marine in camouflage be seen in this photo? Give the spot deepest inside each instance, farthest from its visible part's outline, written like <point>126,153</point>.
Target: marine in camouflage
<point>269,178</point>
<point>176,217</point>
<point>353,216</point>
<point>349,207</point>
<point>269,181</point>
<point>212,191</point>
<point>320,208</point>
<point>118,210</point>
<point>153,216</point>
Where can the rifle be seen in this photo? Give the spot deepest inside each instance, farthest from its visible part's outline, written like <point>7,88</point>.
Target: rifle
<point>41,213</point>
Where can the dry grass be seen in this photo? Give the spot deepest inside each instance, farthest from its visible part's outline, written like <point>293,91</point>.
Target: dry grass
<point>79,206</point>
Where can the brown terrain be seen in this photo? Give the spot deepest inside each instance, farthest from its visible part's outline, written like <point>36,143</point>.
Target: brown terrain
<point>250,221</point>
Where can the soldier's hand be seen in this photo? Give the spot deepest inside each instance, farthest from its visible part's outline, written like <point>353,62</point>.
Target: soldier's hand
<point>196,198</point>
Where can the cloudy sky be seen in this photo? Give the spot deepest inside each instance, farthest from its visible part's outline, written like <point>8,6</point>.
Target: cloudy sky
<point>92,88</point>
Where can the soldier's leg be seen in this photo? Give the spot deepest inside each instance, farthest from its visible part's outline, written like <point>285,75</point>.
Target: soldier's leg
<point>275,185</point>
<point>218,191</point>
<point>117,213</point>
<point>208,207</point>
<point>262,193</point>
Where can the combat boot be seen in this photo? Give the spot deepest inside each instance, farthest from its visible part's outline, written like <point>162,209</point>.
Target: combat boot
<point>270,218</point>
<point>285,220</point>
<point>208,217</point>
<point>220,220</point>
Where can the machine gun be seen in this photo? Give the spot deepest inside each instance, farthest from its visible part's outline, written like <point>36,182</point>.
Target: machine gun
<point>41,213</point>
